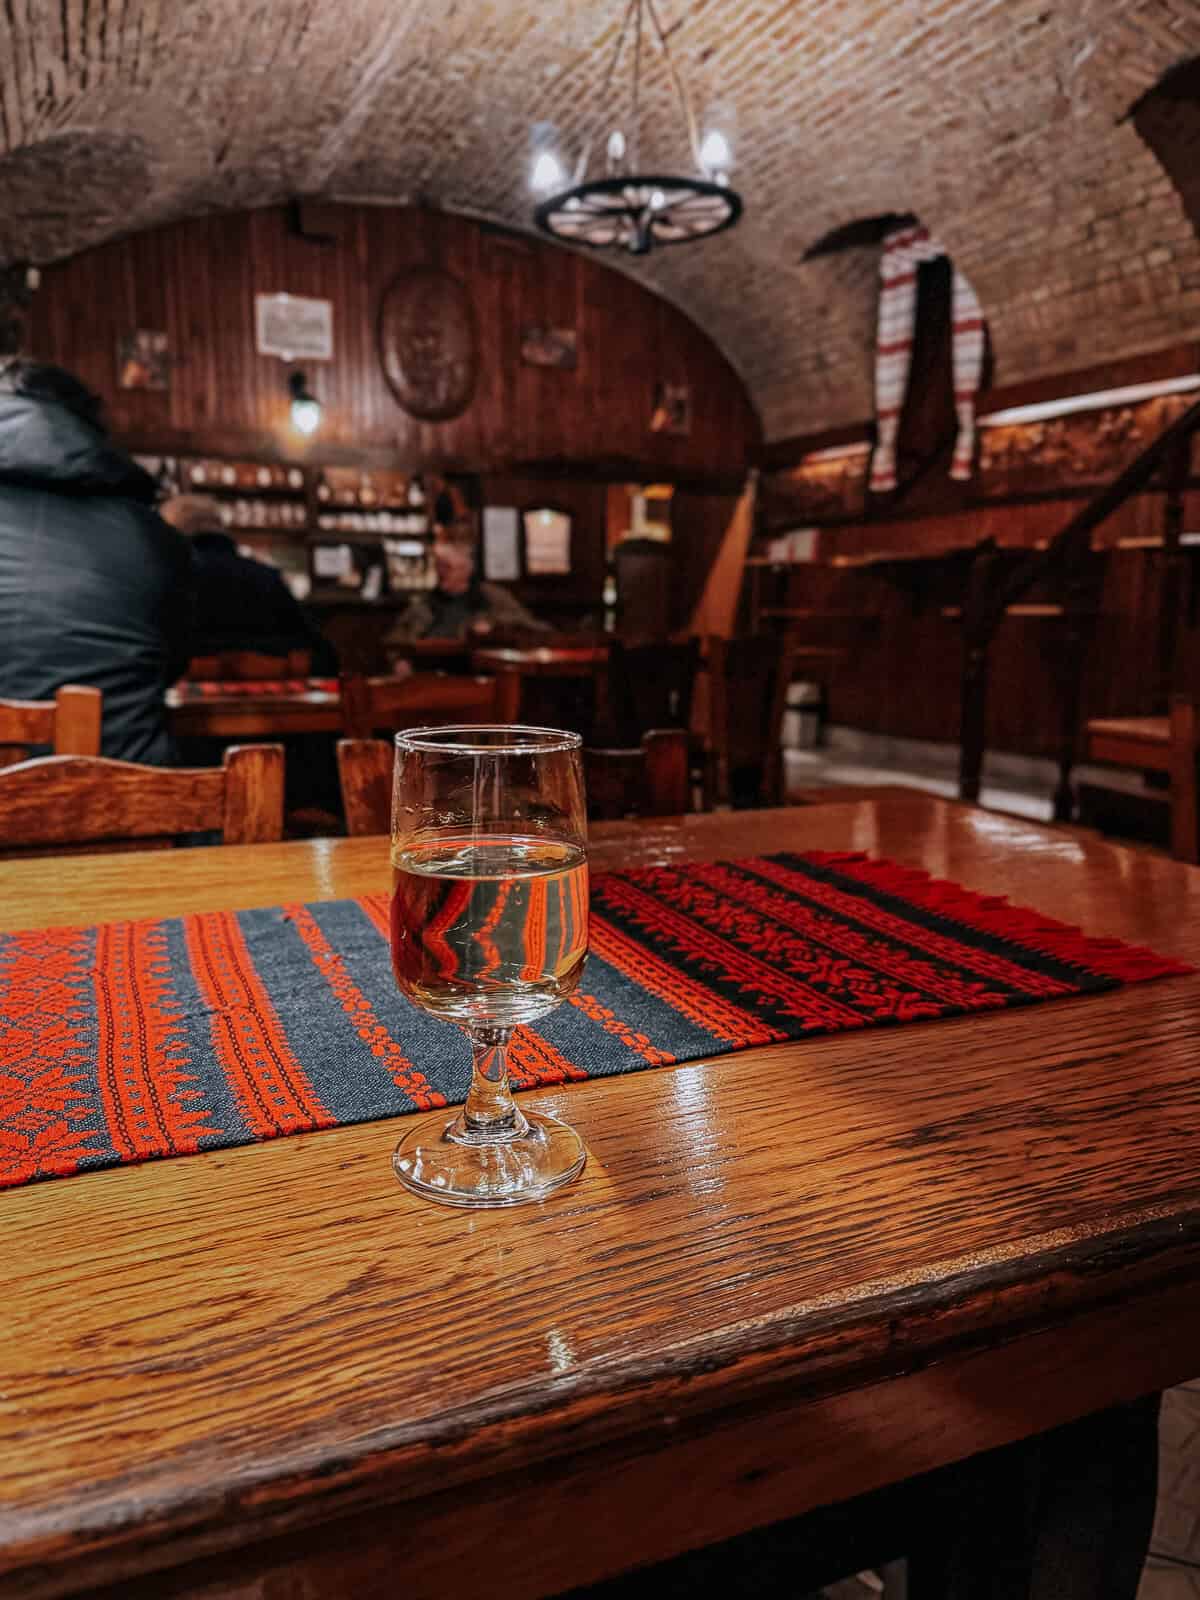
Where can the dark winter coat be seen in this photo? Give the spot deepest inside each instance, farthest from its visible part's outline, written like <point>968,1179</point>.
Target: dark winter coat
<point>94,587</point>
<point>242,604</point>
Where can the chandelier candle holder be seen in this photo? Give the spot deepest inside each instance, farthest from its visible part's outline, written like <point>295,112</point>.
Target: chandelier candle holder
<point>627,209</point>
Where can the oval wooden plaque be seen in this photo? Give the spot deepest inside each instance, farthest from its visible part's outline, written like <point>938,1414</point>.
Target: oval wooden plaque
<point>428,343</point>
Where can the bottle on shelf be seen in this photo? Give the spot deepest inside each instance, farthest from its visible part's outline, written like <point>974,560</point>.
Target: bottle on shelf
<point>610,603</point>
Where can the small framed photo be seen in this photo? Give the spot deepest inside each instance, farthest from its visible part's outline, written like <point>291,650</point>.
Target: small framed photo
<point>672,411</point>
<point>549,347</point>
<point>143,360</point>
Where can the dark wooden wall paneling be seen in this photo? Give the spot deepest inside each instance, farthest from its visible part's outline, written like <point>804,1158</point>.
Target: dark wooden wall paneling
<point>537,435</point>
<point>575,597</point>
<point>901,674</point>
<point>902,671</point>
<point>197,280</point>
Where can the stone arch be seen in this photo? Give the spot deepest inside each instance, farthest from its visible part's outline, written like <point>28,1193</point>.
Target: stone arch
<point>1167,119</point>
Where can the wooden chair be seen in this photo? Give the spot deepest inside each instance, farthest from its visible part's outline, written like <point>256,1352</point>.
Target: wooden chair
<point>69,724</point>
<point>68,801</point>
<point>651,686</point>
<point>228,666</point>
<point>365,768</point>
<point>370,705</point>
<point>650,780</point>
<point>1168,745</point>
<point>748,684</point>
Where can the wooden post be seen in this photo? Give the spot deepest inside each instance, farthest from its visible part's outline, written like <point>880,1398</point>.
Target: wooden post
<point>665,772</point>
<point>1175,566</point>
<point>1185,778</point>
<point>77,713</point>
<point>972,717</point>
<point>253,794</point>
<point>981,613</point>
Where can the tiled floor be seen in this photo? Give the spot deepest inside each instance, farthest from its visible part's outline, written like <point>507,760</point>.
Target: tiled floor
<point>1017,784</point>
<point>1176,1537</point>
<point>1177,1526</point>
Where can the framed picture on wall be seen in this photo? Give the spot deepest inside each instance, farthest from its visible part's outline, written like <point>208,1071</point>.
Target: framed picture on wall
<point>547,543</point>
<point>672,410</point>
<point>143,360</point>
<point>549,347</point>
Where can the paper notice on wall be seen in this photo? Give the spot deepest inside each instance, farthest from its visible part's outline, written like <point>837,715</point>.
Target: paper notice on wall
<point>293,327</point>
<point>332,561</point>
<point>501,544</point>
<point>547,543</point>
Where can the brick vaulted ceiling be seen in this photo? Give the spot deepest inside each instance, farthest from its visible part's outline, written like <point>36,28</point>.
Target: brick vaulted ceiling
<point>1001,123</point>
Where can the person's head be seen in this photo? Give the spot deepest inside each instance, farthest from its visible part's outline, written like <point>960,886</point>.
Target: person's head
<point>455,567</point>
<point>192,514</point>
<point>37,380</point>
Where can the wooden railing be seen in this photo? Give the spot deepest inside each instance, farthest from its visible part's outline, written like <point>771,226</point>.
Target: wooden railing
<point>1000,580</point>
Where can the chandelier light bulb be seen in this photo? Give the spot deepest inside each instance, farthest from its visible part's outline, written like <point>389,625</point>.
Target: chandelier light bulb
<point>715,154</point>
<point>628,205</point>
<point>547,174</point>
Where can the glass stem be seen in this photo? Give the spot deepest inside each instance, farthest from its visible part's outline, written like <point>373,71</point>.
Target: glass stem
<point>491,1112</point>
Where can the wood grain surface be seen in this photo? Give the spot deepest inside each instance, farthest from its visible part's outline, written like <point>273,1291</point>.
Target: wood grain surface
<point>196,280</point>
<point>70,722</point>
<point>785,1276</point>
<point>67,800</point>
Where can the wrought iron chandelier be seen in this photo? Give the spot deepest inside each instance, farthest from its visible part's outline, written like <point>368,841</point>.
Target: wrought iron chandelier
<point>627,209</point>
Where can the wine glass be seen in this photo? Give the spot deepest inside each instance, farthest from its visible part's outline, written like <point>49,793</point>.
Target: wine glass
<point>489,929</point>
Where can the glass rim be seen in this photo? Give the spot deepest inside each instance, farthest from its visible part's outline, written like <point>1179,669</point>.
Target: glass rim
<point>453,739</point>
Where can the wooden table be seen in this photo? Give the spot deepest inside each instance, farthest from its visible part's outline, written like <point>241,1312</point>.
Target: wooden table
<point>511,666</point>
<point>786,1276</point>
<point>266,714</point>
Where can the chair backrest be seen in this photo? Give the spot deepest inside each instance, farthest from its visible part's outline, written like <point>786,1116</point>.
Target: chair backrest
<point>651,686</point>
<point>70,724</point>
<point>749,680</point>
<point>365,768</point>
<point>236,666</point>
<point>75,800</point>
<point>649,780</point>
<point>372,704</point>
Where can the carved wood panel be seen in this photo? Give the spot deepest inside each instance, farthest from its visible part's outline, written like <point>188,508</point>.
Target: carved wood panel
<point>428,343</point>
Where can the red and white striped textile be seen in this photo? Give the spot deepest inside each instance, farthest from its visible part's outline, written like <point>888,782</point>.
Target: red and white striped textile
<point>903,252</point>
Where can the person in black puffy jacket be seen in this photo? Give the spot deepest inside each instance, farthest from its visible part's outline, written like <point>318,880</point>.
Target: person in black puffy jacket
<point>241,604</point>
<point>94,587</point>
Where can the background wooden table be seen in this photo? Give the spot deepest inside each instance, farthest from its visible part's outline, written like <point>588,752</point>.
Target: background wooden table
<point>512,666</point>
<point>786,1276</point>
<point>266,714</point>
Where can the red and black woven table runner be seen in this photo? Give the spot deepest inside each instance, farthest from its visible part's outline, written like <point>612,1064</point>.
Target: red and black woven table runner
<point>135,1040</point>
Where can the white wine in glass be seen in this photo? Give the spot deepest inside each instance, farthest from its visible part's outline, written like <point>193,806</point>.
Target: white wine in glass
<point>489,930</point>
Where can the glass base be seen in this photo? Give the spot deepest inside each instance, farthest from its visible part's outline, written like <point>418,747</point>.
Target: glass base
<point>460,1167</point>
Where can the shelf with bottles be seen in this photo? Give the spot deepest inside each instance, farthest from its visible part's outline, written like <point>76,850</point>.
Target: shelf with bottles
<point>208,475</point>
<point>253,516</point>
<point>353,489</point>
<point>386,523</point>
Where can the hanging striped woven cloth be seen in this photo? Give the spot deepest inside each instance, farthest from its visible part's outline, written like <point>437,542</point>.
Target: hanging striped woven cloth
<point>903,252</point>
